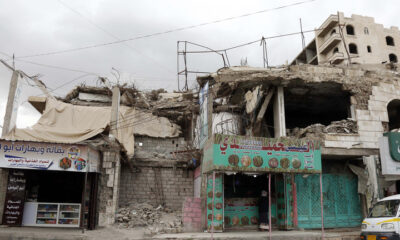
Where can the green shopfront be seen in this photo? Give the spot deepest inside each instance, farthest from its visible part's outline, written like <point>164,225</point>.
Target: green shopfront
<point>239,167</point>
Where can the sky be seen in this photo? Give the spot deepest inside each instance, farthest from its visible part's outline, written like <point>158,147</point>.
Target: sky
<point>42,26</point>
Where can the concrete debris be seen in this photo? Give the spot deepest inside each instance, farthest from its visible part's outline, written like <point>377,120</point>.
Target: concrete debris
<point>347,126</point>
<point>156,220</point>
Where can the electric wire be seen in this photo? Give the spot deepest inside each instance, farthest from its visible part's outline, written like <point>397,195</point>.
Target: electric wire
<point>165,32</point>
<point>114,36</point>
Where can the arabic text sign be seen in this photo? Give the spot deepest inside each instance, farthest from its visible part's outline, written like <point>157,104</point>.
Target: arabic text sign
<point>241,153</point>
<point>15,198</point>
<point>46,156</point>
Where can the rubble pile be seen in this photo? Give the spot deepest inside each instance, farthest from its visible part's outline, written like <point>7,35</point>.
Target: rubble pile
<point>347,126</point>
<point>155,220</point>
<point>343,126</point>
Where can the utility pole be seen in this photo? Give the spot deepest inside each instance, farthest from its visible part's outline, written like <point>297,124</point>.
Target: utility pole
<point>14,94</point>
<point>115,111</point>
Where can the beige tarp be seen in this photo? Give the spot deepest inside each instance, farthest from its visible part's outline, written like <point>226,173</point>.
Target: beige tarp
<point>146,124</point>
<point>67,123</point>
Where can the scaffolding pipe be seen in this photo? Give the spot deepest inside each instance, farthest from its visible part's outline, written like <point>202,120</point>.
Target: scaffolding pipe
<point>322,207</point>
<point>269,205</point>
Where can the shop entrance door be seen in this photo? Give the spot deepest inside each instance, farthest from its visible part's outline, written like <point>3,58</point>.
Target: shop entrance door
<point>341,201</point>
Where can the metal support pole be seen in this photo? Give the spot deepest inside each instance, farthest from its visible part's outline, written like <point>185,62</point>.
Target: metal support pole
<point>83,207</point>
<point>322,207</point>
<point>269,206</point>
<point>212,212</point>
<point>294,193</point>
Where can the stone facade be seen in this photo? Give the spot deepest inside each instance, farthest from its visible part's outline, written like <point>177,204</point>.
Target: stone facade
<point>149,147</point>
<point>141,186</point>
<point>109,187</point>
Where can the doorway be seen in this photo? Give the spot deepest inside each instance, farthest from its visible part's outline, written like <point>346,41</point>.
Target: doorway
<point>242,193</point>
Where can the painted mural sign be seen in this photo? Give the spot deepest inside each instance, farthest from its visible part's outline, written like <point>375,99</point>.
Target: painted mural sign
<point>215,217</point>
<point>47,156</point>
<point>253,154</point>
<point>241,212</point>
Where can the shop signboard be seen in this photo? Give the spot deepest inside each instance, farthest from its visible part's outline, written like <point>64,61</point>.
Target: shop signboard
<point>390,166</point>
<point>48,156</point>
<point>394,145</point>
<point>15,198</point>
<point>255,154</point>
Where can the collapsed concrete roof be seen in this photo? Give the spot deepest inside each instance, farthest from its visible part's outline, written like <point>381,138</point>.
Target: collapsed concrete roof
<point>356,80</point>
<point>320,102</point>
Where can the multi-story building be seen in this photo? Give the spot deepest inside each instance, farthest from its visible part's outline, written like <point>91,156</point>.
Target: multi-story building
<point>358,40</point>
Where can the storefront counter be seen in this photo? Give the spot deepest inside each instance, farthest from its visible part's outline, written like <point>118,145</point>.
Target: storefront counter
<point>51,214</point>
<point>240,212</point>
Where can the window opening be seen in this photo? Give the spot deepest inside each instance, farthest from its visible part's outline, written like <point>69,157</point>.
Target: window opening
<point>393,110</point>
<point>389,41</point>
<point>353,48</point>
<point>350,30</point>
<point>392,58</point>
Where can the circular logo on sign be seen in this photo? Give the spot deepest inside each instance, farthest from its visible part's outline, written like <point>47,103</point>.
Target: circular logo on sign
<point>296,163</point>
<point>79,164</point>
<point>246,161</point>
<point>233,160</point>
<point>73,153</point>
<point>285,162</point>
<point>273,163</point>
<point>257,161</point>
<point>65,163</point>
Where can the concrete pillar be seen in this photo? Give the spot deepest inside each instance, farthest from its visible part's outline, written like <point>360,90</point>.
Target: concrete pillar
<point>279,113</point>
<point>109,187</point>
<point>3,190</point>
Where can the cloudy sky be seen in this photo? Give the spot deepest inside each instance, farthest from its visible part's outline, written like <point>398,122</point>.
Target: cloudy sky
<point>43,26</point>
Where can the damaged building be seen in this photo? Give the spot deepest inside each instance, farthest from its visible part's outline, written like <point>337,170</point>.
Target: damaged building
<point>357,39</point>
<point>293,124</point>
<point>206,156</point>
<point>144,158</point>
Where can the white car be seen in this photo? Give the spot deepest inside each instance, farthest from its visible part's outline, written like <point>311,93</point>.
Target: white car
<point>383,221</point>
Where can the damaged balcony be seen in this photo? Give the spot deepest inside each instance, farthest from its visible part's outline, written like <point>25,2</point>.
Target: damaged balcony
<point>336,58</point>
<point>330,43</point>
